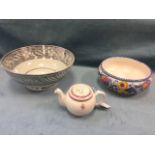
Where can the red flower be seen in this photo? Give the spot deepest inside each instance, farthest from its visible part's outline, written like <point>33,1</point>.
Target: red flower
<point>104,78</point>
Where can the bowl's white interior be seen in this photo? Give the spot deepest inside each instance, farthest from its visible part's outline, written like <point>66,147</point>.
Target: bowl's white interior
<point>126,68</point>
<point>39,66</point>
<point>38,59</point>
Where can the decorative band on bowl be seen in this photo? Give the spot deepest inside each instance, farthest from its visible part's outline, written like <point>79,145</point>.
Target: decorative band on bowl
<point>102,71</point>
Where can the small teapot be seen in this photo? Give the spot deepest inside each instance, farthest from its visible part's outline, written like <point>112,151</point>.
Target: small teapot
<point>80,99</point>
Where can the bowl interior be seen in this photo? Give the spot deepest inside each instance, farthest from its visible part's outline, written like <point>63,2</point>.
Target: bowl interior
<point>38,59</point>
<point>126,68</point>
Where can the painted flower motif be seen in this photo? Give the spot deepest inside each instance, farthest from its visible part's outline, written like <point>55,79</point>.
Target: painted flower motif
<point>115,88</point>
<point>131,91</point>
<point>122,85</point>
<point>146,84</point>
<point>105,79</point>
<point>119,91</point>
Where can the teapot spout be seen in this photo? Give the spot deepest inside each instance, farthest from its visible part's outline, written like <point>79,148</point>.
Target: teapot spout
<point>61,96</point>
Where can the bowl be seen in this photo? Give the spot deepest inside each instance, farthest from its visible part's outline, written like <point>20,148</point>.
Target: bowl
<point>125,76</point>
<point>38,67</point>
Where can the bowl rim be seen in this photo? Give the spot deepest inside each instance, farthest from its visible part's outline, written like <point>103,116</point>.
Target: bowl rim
<point>12,51</point>
<point>102,70</point>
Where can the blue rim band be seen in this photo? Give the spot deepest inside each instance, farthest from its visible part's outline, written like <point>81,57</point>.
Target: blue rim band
<point>103,71</point>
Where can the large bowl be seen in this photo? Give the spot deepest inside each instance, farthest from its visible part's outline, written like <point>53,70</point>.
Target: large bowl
<point>38,66</point>
<point>125,76</point>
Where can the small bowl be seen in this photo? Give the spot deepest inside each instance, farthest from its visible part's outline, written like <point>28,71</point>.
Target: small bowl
<point>38,67</point>
<point>125,76</point>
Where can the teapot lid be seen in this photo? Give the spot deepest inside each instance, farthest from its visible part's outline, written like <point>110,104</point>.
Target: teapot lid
<point>81,92</point>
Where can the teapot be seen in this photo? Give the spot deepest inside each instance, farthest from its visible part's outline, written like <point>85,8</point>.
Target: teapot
<point>80,99</point>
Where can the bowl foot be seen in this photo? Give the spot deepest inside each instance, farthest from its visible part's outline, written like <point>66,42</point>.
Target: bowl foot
<point>39,88</point>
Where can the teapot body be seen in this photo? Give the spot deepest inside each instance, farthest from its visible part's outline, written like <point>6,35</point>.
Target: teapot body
<point>80,108</point>
<point>80,99</point>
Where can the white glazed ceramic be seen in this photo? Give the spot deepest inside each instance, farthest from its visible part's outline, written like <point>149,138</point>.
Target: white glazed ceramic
<point>80,99</point>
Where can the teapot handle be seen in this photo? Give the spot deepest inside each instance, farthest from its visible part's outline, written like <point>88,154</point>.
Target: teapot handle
<point>101,103</point>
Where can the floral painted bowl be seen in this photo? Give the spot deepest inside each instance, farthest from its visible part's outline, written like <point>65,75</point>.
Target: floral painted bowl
<point>38,67</point>
<point>125,76</point>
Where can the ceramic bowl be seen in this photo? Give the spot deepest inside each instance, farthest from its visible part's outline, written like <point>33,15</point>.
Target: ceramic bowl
<point>125,76</point>
<point>38,66</point>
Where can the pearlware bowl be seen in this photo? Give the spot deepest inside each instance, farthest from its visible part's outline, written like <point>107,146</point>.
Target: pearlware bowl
<point>38,66</point>
<point>123,75</point>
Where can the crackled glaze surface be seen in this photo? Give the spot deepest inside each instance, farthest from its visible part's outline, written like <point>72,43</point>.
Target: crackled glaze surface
<point>124,75</point>
<point>38,66</point>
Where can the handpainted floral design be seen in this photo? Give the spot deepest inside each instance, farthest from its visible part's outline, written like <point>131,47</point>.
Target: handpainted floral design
<point>124,87</point>
<point>105,79</point>
<point>130,91</point>
<point>121,87</point>
<point>146,84</point>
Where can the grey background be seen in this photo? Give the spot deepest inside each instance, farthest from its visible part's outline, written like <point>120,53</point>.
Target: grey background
<point>24,112</point>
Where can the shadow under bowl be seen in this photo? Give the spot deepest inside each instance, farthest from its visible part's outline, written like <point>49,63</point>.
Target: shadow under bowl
<point>125,76</point>
<point>38,67</point>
